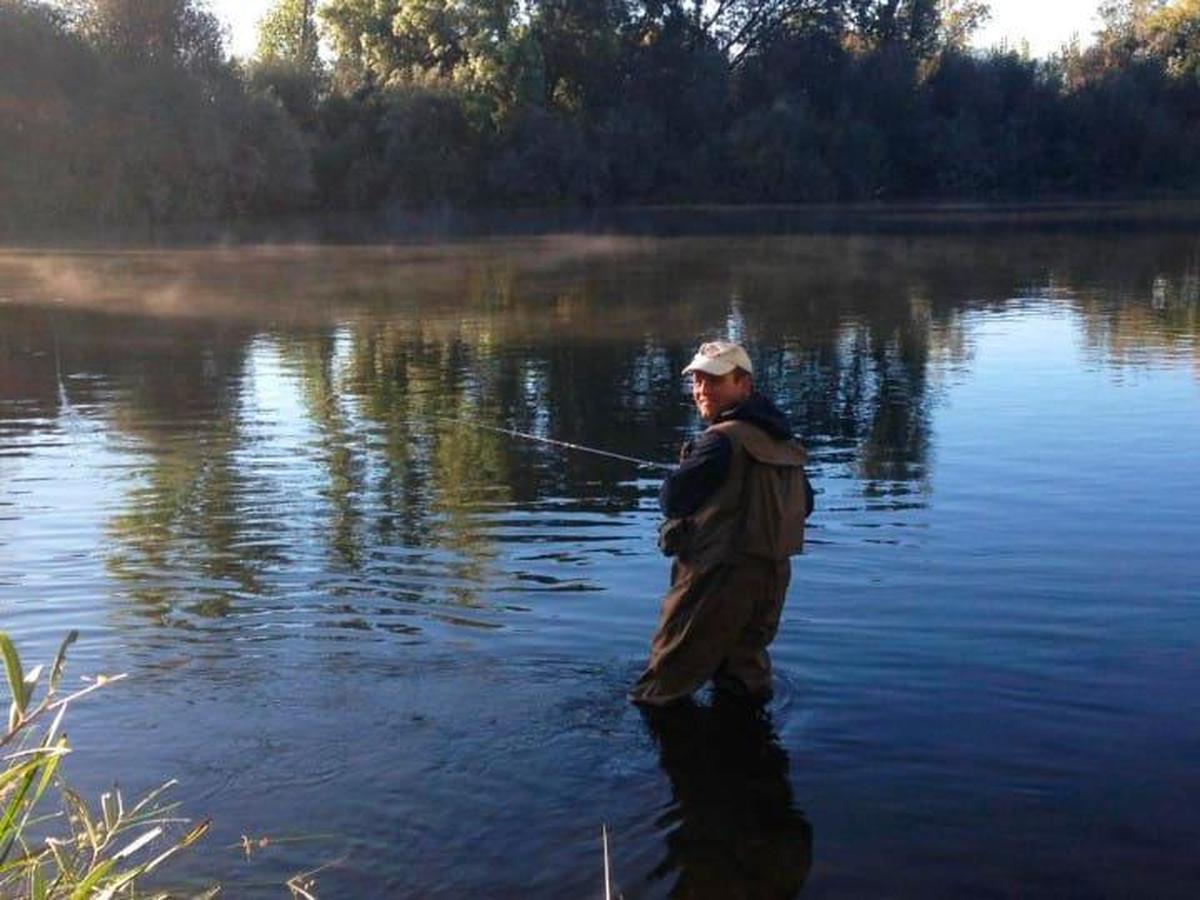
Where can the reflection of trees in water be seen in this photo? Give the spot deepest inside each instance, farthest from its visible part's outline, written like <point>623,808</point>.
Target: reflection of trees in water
<point>844,342</point>
<point>534,343</point>
<point>173,392</point>
<point>311,359</point>
<point>866,391</point>
<point>181,529</point>
<point>29,368</point>
<point>1142,302</point>
<point>580,340</point>
<point>430,477</point>
<point>187,531</point>
<point>439,482</point>
<point>856,377</point>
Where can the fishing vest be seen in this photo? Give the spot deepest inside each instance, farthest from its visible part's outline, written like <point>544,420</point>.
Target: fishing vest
<point>760,508</point>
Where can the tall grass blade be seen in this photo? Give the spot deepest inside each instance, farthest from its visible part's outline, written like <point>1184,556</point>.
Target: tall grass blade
<point>84,890</point>
<point>127,878</point>
<point>60,658</point>
<point>138,843</point>
<point>607,868</point>
<point>12,668</point>
<point>302,883</point>
<point>9,830</point>
<point>48,762</point>
<point>78,812</point>
<point>52,732</point>
<point>83,862</point>
<point>54,756</point>
<point>64,863</point>
<point>109,810</point>
<point>38,889</point>
<point>31,680</point>
<point>186,841</point>
<point>152,796</point>
<point>18,770</point>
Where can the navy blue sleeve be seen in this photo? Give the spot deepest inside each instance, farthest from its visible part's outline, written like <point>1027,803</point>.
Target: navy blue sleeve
<point>702,470</point>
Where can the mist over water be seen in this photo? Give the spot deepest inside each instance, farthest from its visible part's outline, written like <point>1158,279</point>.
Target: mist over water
<point>362,627</point>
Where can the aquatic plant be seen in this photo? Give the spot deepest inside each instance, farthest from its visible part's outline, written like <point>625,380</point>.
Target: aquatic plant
<point>71,851</point>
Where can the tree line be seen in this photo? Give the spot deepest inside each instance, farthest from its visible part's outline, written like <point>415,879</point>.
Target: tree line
<point>131,112</point>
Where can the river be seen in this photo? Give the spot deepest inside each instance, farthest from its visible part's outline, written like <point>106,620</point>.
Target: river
<point>369,635</point>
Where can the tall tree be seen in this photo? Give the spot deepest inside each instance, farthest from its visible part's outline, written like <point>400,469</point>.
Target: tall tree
<point>959,20</point>
<point>287,65</point>
<point>386,38</point>
<point>1123,29</point>
<point>741,28</point>
<point>1173,35</point>
<point>909,24</point>
<point>581,46</point>
<point>288,34</point>
<point>145,32</point>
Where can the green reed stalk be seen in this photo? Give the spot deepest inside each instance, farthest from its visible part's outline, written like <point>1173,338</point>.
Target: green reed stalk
<point>71,852</point>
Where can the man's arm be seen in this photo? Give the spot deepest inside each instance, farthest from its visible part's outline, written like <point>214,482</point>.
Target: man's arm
<point>702,469</point>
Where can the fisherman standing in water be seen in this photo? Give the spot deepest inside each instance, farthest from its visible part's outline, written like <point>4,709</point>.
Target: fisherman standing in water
<point>735,510</point>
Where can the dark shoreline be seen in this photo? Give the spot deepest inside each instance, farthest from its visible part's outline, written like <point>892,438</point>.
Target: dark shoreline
<point>699,220</point>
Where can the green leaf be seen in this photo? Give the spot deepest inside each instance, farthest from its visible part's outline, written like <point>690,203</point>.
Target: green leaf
<point>56,670</point>
<point>120,882</point>
<point>184,842</point>
<point>12,667</point>
<point>38,890</point>
<point>144,806</point>
<point>19,770</point>
<point>77,808</point>
<point>138,843</point>
<point>108,806</point>
<point>31,680</point>
<point>11,872</point>
<point>54,757</point>
<point>64,863</point>
<point>83,890</point>
<point>10,831</point>
<point>24,804</point>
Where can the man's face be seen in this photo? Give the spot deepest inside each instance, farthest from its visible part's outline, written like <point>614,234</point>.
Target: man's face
<point>716,393</point>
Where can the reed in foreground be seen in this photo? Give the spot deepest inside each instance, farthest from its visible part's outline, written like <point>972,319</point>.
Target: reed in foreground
<point>66,849</point>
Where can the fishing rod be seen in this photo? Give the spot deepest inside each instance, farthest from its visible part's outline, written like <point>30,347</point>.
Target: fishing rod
<point>567,445</point>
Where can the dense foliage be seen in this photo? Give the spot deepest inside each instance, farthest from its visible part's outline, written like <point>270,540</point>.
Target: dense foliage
<point>129,111</point>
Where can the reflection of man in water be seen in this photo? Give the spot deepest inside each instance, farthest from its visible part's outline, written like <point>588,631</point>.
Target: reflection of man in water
<point>735,511</point>
<point>733,830</point>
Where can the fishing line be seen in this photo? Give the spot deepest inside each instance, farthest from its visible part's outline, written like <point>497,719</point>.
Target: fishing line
<point>567,445</point>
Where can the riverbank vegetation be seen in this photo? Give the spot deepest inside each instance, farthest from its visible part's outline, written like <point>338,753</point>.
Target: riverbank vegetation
<point>72,850</point>
<point>121,112</point>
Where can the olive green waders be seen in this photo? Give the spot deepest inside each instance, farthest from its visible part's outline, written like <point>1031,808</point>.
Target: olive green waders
<point>730,574</point>
<point>716,622</point>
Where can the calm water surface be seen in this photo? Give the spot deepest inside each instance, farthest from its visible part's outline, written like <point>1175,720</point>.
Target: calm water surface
<point>392,642</point>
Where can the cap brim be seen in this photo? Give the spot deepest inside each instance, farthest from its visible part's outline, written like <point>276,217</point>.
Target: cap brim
<point>716,367</point>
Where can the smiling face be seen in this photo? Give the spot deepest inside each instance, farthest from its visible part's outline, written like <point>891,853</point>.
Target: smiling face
<point>716,393</point>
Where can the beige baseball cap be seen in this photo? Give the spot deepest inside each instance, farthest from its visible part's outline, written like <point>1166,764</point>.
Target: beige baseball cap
<point>720,358</point>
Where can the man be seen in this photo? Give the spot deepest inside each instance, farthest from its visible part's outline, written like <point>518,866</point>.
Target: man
<point>735,511</point>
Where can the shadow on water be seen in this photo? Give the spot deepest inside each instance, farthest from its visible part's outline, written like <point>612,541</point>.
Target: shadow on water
<point>733,829</point>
